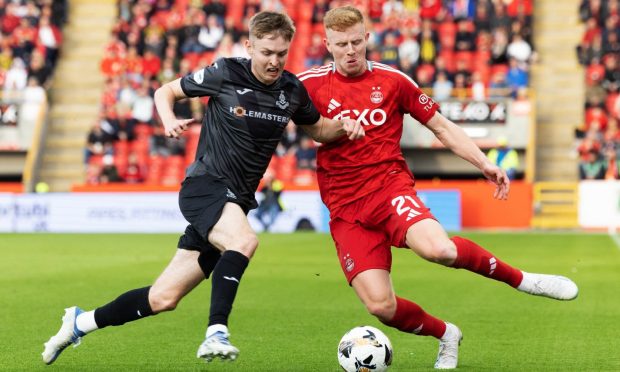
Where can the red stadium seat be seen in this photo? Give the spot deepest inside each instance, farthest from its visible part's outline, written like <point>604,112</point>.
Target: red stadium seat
<point>465,57</point>
<point>286,168</point>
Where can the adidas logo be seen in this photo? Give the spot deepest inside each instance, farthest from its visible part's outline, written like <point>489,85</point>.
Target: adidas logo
<point>493,265</point>
<point>333,104</point>
<point>412,214</point>
<point>230,194</point>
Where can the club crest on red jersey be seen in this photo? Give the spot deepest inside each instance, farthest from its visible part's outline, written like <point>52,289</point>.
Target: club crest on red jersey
<point>376,96</point>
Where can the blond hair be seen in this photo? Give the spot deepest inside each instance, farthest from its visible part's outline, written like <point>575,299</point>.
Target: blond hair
<point>271,24</point>
<point>339,19</point>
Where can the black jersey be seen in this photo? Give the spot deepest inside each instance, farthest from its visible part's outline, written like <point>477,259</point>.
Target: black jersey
<point>243,122</point>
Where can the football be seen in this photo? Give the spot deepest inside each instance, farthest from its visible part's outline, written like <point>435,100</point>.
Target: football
<point>365,349</point>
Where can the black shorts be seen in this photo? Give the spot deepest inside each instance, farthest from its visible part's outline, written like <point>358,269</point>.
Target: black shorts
<point>201,201</point>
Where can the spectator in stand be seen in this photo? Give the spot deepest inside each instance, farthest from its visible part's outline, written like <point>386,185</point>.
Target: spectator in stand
<point>482,18</point>
<point>517,77</point>
<point>465,39</point>
<point>224,48</point>
<point>478,87</point>
<point>97,143</point>
<point>505,157</point>
<point>135,172</point>
<point>499,48</point>
<point>16,78</point>
<point>50,37</point>
<point>126,94</point>
<point>109,172</point>
<point>389,51</point>
<point>38,68</point>
<point>321,7</point>
<point>430,9</point>
<point>270,206</point>
<point>409,49</point>
<point>428,46</point>
<point>133,65</point>
<point>306,154</point>
<point>589,53</point>
<point>142,109</point>
<point>33,93</point>
<point>211,33</point>
<point>238,49</point>
<point>392,8</point>
<point>519,49</point>
<point>500,19</point>
<point>217,8</point>
<point>316,51</point>
<point>442,87</point>
<point>592,167</point>
<point>151,64</point>
<point>611,78</point>
<point>290,140</point>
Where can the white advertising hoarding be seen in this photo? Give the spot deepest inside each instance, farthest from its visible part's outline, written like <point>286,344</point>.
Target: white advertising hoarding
<point>599,203</point>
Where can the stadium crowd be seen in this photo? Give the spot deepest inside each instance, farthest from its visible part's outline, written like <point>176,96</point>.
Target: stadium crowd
<point>454,49</point>
<point>30,39</point>
<point>598,139</point>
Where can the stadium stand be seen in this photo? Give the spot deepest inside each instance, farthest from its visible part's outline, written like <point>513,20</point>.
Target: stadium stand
<point>598,138</point>
<point>463,49</point>
<point>30,38</point>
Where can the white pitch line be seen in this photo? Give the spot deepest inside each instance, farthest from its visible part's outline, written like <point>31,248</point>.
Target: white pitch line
<point>616,239</point>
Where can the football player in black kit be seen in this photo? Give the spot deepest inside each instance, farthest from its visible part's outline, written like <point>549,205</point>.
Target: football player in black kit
<point>251,102</point>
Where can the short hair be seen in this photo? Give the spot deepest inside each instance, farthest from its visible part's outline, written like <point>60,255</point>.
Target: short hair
<point>273,24</point>
<point>339,19</point>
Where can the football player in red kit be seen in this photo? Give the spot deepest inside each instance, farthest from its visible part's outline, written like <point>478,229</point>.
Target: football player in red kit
<point>370,192</point>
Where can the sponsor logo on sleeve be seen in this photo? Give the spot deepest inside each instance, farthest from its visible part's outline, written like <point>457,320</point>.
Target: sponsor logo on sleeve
<point>199,76</point>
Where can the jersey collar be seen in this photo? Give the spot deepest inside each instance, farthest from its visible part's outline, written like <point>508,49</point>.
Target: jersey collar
<point>339,76</point>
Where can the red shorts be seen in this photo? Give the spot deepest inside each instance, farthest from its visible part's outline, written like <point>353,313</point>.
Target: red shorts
<point>365,229</point>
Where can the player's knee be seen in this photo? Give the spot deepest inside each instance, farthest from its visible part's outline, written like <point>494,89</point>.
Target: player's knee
<point>161,301</point>
<point>384,310</point>
<point>246,244</point>
<point>443,253</point>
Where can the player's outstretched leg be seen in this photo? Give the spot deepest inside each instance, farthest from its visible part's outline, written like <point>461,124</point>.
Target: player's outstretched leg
<point>472,257</point>
<point>217,345</point>
<point>552,286</point>
<point>448,355</point>
<point>67,335</point>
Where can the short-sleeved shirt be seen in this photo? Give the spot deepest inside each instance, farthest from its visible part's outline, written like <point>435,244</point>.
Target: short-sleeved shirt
<point>378,98</point>
<point>243,122</point>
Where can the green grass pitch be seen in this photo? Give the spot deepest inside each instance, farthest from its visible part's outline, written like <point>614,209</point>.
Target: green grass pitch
<point>294,305</point>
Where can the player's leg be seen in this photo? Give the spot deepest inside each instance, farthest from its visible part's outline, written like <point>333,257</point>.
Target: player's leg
<point>180,276</point>
<point>374,288</point>
<point>365,258</point>
<point>428,239</point>
<point>234,236</point>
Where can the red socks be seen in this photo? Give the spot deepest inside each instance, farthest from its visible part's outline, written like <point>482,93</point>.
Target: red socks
<point>410,317</point>
<point>472,257</point>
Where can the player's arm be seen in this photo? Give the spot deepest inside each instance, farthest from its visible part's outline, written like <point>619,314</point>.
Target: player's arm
<point>327,130</point>
<point>454,137</point>
<point>165,97</point>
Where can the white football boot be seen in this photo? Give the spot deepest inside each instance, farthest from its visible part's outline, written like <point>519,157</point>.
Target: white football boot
<point>552,286</point>
<point>67,335</point>
<point>448,356</point>
<point>216,344</point>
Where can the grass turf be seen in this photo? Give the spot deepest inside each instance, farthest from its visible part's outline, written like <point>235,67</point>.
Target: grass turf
<point>294,305</point>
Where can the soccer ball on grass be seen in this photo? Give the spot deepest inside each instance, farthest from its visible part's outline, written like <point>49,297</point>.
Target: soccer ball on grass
<point>365,349</point>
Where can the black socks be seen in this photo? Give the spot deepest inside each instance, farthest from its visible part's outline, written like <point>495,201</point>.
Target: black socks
<point>226,277</point>
<point>129,306</point>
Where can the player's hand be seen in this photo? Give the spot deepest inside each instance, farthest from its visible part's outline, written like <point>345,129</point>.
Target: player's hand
<point>177,127</point>
<point>353,128</point>
<point>498,176</point>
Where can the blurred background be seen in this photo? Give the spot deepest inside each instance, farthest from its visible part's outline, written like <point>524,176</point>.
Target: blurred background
<point>534,83</point>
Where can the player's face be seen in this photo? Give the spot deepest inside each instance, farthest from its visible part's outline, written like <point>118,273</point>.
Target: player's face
<point>348,48</point>
<point>268,56</point>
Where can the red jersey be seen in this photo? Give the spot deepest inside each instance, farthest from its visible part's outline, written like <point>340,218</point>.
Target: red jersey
<point>379,98</point>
